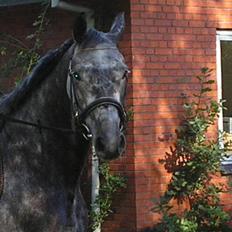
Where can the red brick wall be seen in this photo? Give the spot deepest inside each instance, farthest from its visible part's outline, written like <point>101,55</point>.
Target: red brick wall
<point>171,41</point>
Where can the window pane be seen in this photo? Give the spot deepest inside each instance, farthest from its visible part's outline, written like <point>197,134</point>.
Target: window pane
<point>226,59</point>
<point>226,66</point>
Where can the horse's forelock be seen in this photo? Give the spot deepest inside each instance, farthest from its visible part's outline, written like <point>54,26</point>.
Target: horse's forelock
<point>94,38</point>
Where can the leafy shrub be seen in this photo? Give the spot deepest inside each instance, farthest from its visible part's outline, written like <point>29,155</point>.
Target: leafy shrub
<point>193,161</point>
<point>21,57</point>
<point>110,184</point>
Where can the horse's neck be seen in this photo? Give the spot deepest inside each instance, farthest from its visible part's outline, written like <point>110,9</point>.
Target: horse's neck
<point>49,104</point>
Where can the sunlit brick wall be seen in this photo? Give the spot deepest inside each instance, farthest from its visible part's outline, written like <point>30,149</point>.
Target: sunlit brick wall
<point>171,41</point>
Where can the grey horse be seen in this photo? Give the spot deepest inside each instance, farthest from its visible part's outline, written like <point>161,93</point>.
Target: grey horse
<point>73,97</point>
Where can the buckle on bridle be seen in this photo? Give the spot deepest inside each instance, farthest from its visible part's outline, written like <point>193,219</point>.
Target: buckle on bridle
<point>86,131</point>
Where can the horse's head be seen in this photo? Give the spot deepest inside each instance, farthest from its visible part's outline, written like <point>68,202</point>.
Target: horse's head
<point>97,84</point>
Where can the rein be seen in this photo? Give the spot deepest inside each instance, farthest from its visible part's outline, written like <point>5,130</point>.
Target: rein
<point>38,125</point>
<point>1,176</point>
<point>6,118</point>
<point>94,49</point>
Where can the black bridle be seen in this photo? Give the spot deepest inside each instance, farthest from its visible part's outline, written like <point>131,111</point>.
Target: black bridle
<point>81,115</point>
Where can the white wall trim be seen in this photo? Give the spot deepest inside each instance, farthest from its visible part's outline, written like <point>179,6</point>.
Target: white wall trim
<point>219,76</point>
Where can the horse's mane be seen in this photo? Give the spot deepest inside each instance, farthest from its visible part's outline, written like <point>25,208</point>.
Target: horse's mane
<point>44,67</point>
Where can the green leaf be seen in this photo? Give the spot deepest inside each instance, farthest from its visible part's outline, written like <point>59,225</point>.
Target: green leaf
<point>209,82</point>
<point>200,77</point>
<point>207,89</point>
<point>205,70</point>
<point>36,23</point>
<point>31,36</point>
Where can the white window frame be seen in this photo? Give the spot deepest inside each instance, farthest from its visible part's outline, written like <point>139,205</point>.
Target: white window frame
<point>222,36</point>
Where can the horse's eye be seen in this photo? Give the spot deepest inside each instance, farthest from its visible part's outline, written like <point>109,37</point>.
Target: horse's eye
<point>76,75</point>
<point>126,73</point>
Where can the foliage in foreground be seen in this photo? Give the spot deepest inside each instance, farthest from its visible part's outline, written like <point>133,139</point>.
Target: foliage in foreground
<point>21,57</point>
<point>193,161</point>
<point>110,184</point>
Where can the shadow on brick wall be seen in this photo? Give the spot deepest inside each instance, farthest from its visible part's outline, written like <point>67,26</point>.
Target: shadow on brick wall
<point>150,229</point>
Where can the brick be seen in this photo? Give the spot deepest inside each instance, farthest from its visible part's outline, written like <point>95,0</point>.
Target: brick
<point>137,22</point>
<point>163,22</point>
<point>180,23</point>
<point>197,23</point>
<point>163,51</point>
<point>152,36</point>
<point>154,65</point>
<point>137,7</point>
<point>152,8</point>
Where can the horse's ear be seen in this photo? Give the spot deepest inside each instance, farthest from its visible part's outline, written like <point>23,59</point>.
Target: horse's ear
<point>80,28</point>
<point>117,27</point>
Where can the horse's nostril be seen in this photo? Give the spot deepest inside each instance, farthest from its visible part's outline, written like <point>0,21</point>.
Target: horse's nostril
<point>100,144</point>
<point>110,148</point>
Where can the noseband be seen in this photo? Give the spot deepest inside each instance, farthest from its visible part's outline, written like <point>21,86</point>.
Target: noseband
<point>81,115</point>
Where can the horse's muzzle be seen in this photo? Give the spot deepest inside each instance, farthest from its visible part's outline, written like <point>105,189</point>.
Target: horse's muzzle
<point>110,148</point>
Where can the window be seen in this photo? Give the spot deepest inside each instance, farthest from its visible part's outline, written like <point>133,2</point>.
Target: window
<point>224,80</point>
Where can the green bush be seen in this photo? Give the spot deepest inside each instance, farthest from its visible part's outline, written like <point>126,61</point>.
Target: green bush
<point>193,161</point>
<point>110,184</point>
<point>21,57</point>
